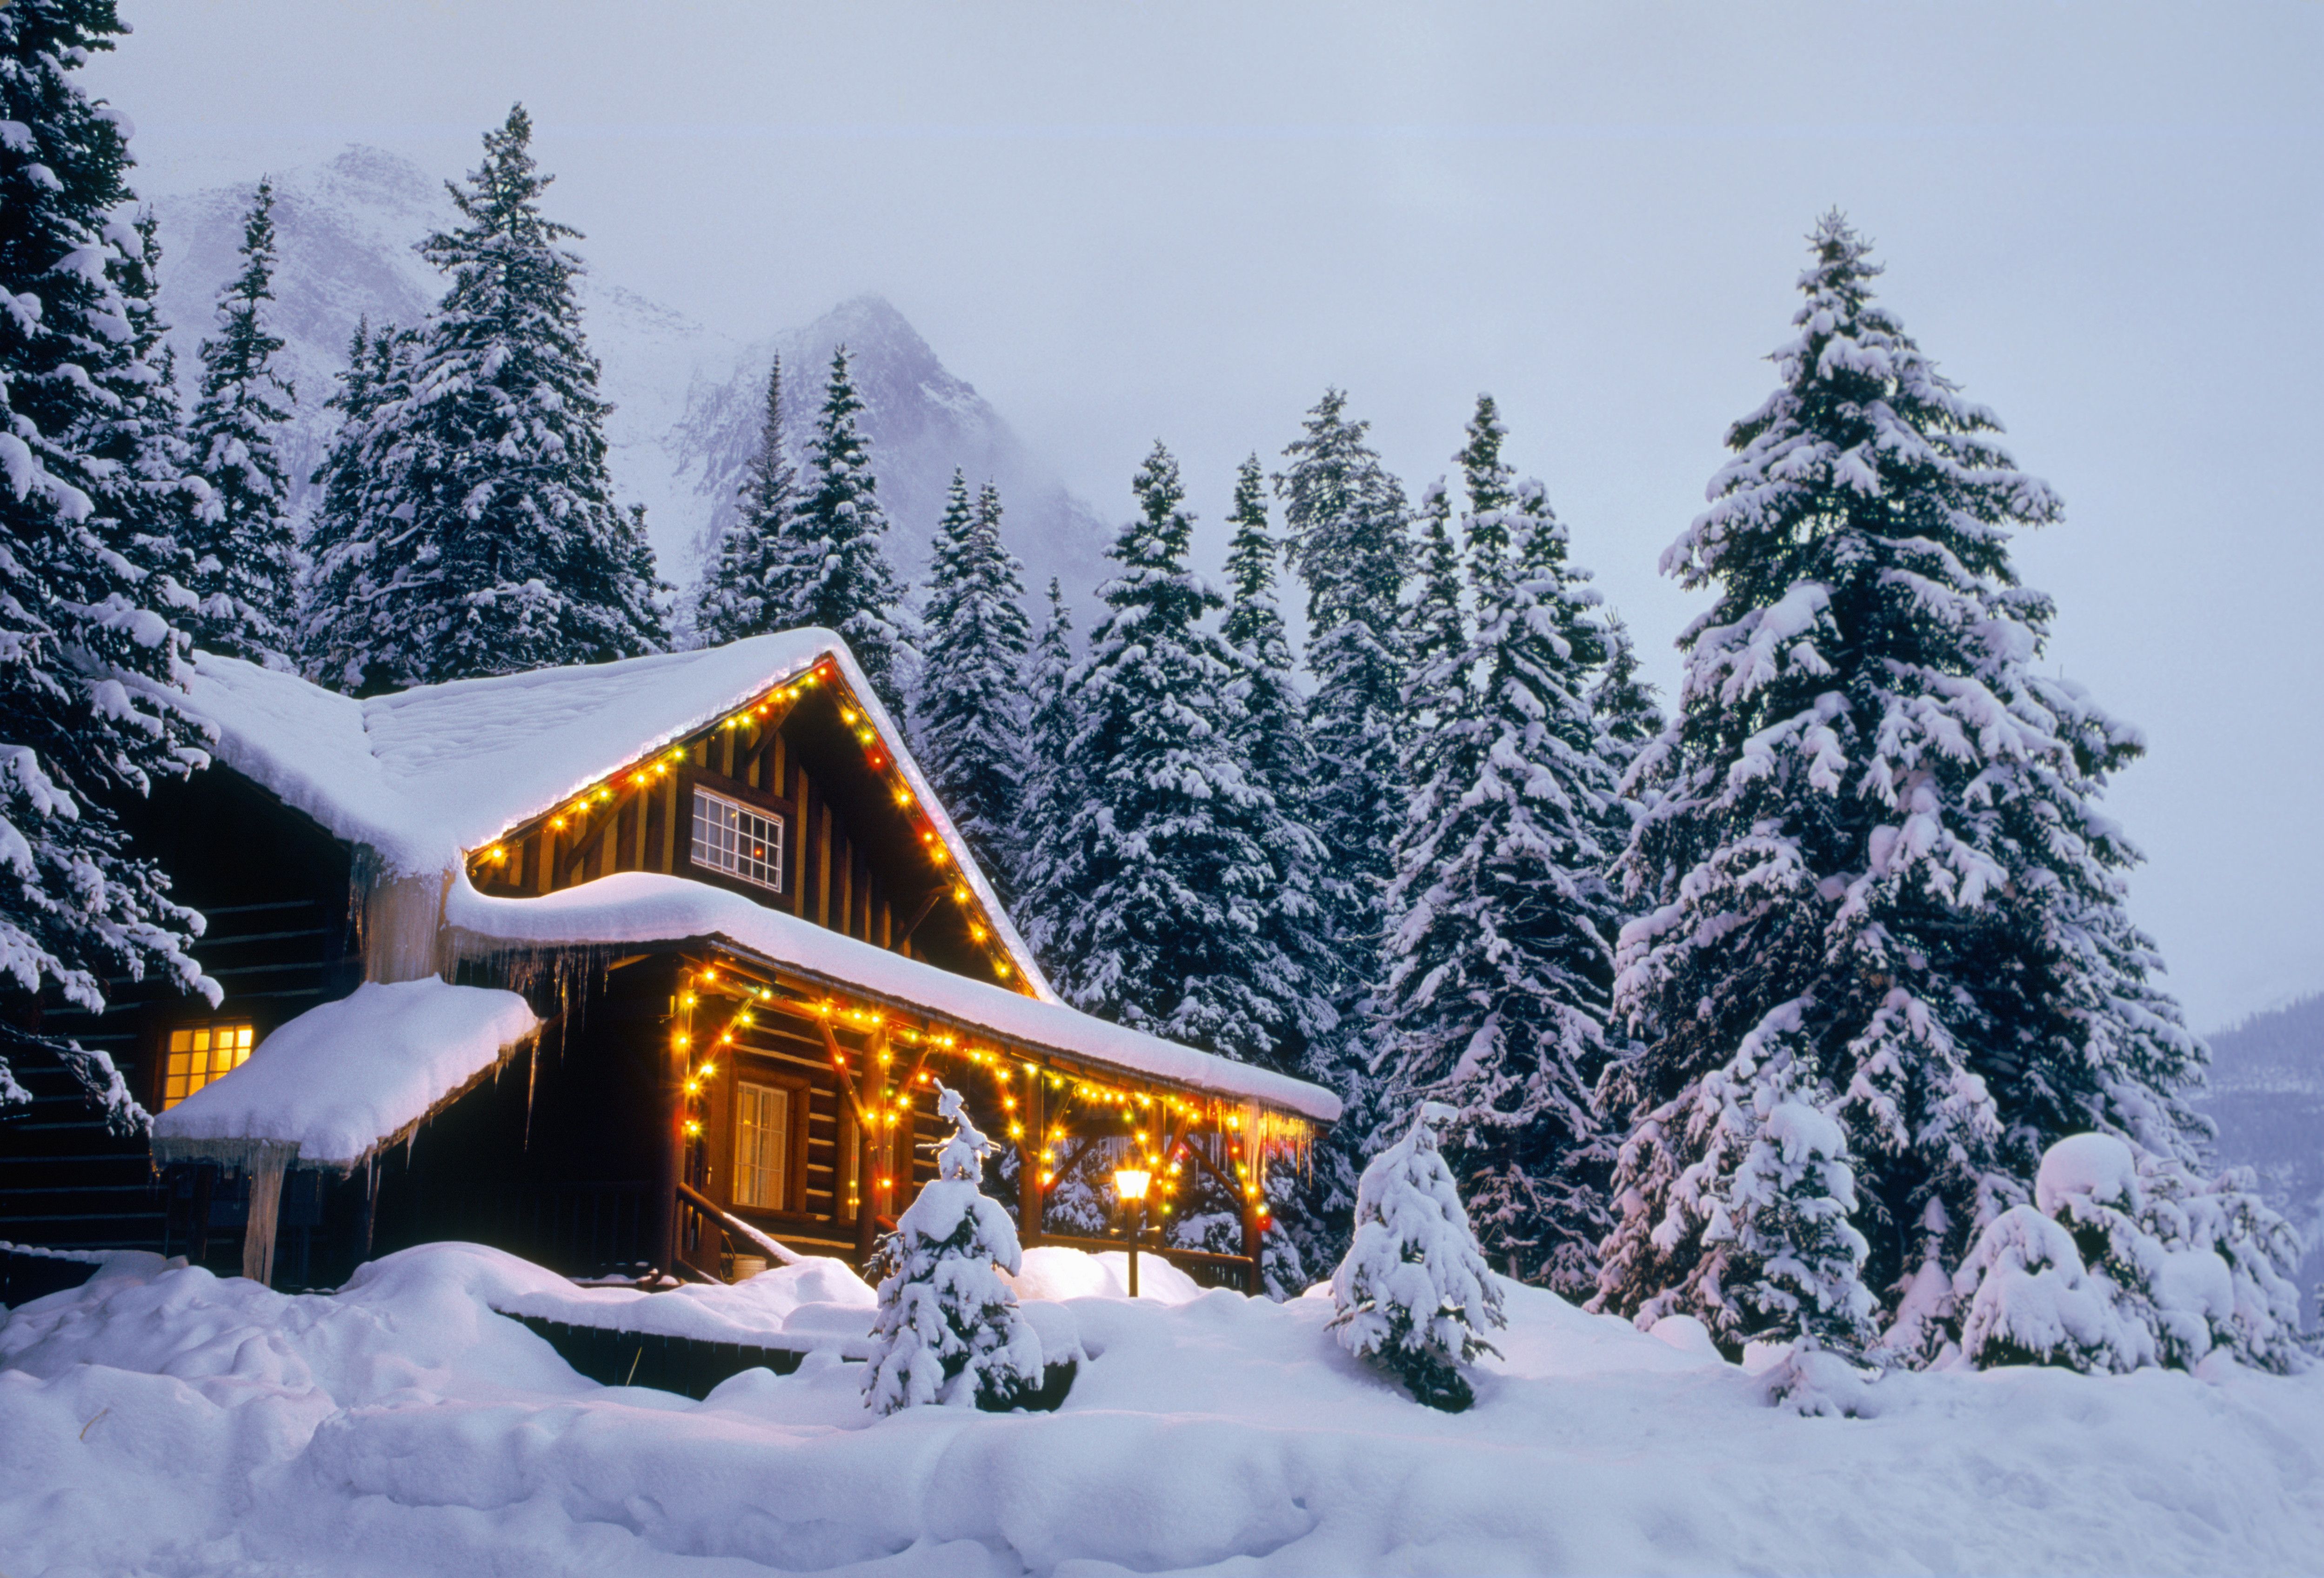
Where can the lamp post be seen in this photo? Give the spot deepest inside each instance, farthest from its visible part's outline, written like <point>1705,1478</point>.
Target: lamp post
<point>1130,1185</point>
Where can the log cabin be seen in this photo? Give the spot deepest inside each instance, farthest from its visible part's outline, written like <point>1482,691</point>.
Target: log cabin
<point>640,969</point>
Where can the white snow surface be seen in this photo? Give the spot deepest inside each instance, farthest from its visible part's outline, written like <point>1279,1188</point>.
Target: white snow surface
<point>164,1421</point>
<point>420,777</point>
<point>343,1077</point>
<point>647,907</point>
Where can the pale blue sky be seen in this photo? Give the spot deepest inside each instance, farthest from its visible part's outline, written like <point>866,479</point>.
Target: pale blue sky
<point>1182,220</point>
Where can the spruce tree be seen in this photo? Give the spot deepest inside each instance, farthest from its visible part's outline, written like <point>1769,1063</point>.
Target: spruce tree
<point>1162,881</point>
<point>338,541</point>
<point>949,1331</point>
<point>246,554</point>
<point>146,487</point>
<point>1874,878</point>
<point>1500,962</point>
<point>969,726</point>
<point>1345,524</point>
<point>1051,792</point>
<point>87,711</point>
<point>1413,1295</point>
<point>836,553</point>
<point>488,540</point>
<point>746,591</point>
<point>1269,731</point>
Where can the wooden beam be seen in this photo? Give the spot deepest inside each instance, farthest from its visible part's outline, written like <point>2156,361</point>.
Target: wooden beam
<point>265,1211</point>
<point>927,907</point>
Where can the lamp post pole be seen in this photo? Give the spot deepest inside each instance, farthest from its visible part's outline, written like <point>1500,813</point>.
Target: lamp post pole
<point>1130,1187</point>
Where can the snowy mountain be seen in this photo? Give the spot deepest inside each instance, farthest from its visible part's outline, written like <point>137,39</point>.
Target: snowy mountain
<point>2268,1098</point>
<point>685,396</point>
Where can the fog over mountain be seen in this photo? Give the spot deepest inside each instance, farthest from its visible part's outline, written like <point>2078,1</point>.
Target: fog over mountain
<point>2268,1098</point>
<point>686,396</point>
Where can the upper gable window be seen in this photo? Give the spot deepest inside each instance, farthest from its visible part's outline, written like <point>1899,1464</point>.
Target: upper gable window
<point>200,1054</point>
<point>743,840</point>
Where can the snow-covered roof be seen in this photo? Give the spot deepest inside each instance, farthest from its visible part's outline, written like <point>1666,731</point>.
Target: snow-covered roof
<point>423,776</point>
<point>340,1080</point>
<point>648,907</point>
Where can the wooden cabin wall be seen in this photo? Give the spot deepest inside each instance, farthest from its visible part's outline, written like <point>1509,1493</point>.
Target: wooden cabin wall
<point>851,861</point>
<point>277,893</point>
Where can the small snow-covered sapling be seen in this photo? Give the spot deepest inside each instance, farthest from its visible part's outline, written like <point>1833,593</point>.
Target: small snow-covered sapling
<point>948,1329</point>
<point>1414,1292</point>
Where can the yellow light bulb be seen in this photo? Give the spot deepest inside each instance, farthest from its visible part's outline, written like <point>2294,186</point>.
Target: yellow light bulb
<point>709,1069</point>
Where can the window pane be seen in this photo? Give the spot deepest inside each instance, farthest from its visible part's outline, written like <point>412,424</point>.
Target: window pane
<point>762,1130</point>
<point>740,839</point>
<point>201,1054</point>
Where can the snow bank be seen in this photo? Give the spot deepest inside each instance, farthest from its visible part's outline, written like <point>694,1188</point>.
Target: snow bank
<point>647,907</point>
<point>819,1302</point>
<point>162,1420</point>
<point>348,1075</point>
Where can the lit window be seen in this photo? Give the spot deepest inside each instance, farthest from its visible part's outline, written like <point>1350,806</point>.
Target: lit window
<point>201,1055</point>
<point>762,1123</point>
<point>738,839</point>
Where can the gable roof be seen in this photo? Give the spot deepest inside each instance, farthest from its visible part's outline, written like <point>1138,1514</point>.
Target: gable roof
<point>422,776</point>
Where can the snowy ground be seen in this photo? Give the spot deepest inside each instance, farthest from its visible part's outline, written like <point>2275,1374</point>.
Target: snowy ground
<point>165,1421</point>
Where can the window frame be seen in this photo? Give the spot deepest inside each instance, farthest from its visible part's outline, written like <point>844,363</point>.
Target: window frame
<point>776,807</point>
<point>781,1170</point>
<point>166,1049</point>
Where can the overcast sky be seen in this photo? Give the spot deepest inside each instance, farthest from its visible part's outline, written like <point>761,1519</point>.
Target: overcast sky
<point>1174,220</point>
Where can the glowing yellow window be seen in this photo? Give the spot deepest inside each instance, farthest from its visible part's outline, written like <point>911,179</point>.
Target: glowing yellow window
<point>200,1055</point>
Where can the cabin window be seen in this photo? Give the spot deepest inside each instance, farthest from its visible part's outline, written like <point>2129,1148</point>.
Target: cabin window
<point>200,1054</point>
<point>740,839</point>
<point>762,1128</point>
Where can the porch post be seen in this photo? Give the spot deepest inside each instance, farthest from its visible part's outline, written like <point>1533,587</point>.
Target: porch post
<point>868,1195</point>
<point>663,1241</point>
<point>1029,1162</point>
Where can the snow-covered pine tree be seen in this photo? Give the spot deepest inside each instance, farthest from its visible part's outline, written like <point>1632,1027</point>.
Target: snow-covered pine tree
<point>488,542</point>
<point>1161,878</point>
<point>143,483</point>
<point>1435,636</point>
<point>1269,728</point>
<point>969,723</point>
<point>1624,703</point>
<point>86,707</point>
<point>1345,526</point>
<point>1499,965</point>
<point>1051,792</point>
<point>1871,865</point>
<point>2125,1259</point>
<point>338,547</point>
<point>746,591</point>
<point>1413,1295</point>
<point>948,1330</point>
<point>837,546</point>
<point>244,552</point>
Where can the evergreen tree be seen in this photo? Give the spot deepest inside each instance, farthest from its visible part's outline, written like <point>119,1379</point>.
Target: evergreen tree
<point>1345,516</point>
<point>970,725</point>
<point>747,592</point>
<point>87,712</point>
<point>1051,792</point>
<point>1161,880</point>
<point>1629,717</point>
<point>949,1329</point>
<point>1435,638</point>
<point>1871,868</point>
<point>1500,966</point>
<point>338,542</point>
<point>1269,732</point>
<point>1413,1295</point>
<point>143,483</point>
<point>838,547</point>
<point>245,555</point>
<point>487,540</point>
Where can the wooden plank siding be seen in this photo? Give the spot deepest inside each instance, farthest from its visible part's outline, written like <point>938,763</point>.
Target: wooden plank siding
<point>855,859</point>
